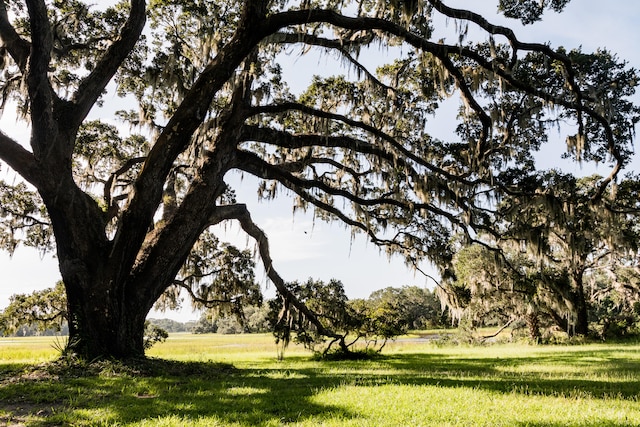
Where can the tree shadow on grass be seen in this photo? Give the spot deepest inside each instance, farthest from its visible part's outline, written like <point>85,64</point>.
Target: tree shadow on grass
<point>191,391</point>
<point>184,391</point>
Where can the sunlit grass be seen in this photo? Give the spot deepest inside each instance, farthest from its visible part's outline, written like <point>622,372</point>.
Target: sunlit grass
<point>221,348</point>
<point>413,384</point>
<point>29,350</point>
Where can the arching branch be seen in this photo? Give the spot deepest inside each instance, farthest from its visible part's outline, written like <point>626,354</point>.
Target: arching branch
<point>508,33</point>
<point>257,167</point>
<point>240,213</point>
<point>285,139</point>
<point>342,47</point>
<point>482,143</point>
<point>570,77</point>
<point>443,51</point>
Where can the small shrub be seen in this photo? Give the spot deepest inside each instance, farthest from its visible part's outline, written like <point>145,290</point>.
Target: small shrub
<point>153,334</point>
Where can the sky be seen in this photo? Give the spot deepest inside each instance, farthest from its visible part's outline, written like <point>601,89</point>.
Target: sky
<point>303,248</point>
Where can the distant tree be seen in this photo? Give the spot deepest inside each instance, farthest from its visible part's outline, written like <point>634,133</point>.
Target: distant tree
<point>209,323</point>
<point>229,325</point>
<point>569,228</point>
<point>503,288</point>
<point>30,330</point>
<point>257,318</point>
<point>252,319</point>
<point>128,211</point>
<point>416,307</point>
<point>555,245</point>
<point>205,325</point>
<point>169,325</point>
<point>45,310</point>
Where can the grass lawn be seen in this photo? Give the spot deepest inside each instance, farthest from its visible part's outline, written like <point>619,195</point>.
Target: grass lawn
<point>238,381</point>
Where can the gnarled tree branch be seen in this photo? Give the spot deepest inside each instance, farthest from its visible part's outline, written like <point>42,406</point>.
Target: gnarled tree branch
<point>240,213</point>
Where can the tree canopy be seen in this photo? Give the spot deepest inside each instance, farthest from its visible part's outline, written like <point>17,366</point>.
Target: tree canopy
<point>129,209</point>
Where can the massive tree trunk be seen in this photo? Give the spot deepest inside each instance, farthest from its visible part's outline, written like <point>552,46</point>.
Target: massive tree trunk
<point>110,297</point>
<point>106,318</point>
<point>103,324</point>
<point>570,290</point>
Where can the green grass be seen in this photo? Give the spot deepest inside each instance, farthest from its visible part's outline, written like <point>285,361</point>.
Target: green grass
<point>238,381</point>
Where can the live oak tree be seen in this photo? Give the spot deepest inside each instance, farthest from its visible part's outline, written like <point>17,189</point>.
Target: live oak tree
<point>570,233</point>
<point>413,307</point>
<point>508,288</point>
<point>128,207</point>
<point>557,244</point>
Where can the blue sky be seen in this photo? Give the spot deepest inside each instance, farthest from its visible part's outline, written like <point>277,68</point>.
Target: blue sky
<point>302,248</point>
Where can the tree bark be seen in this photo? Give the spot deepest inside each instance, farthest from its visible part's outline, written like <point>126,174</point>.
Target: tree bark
<point>102,324</point>
<point>106,318</point>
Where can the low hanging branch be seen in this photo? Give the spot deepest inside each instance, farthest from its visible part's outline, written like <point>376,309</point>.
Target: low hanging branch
<point>240,213</point>
<point>505,326</point>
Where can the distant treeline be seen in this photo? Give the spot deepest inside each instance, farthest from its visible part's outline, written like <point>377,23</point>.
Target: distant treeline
<point>166,324</point>
<point>416,308</point>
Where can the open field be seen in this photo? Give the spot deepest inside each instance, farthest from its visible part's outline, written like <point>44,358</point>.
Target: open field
<point>238,381</point>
